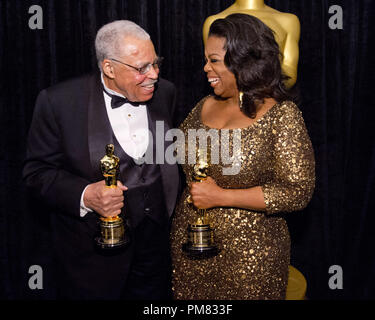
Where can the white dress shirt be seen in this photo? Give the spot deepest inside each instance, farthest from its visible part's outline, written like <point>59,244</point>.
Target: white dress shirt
<point>130,127</point>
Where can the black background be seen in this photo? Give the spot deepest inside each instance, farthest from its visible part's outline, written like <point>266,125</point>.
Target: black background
<point>335,76</point>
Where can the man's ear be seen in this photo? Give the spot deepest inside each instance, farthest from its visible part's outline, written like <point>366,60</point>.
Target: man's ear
<point>108,68</point>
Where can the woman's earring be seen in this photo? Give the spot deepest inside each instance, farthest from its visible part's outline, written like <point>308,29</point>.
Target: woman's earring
<point>240,97</point>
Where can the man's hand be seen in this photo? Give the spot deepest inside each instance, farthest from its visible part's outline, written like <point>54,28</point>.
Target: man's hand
<point>105,201</point>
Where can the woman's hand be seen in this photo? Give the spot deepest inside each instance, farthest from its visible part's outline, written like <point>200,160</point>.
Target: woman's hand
<point>206,194</point>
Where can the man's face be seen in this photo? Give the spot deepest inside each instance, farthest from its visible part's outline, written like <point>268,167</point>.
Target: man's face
<point>128,81</point>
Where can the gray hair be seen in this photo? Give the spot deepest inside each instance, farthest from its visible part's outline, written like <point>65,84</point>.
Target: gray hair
<point>107,42</point>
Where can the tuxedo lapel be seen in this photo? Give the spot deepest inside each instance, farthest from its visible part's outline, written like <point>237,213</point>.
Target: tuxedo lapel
<point>169,173</point>
<point>126,161</point>
<point>99,127</point>
<point>100,134</point>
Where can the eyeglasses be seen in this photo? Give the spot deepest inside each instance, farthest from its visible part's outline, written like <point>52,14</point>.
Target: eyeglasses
<point>146,68</point>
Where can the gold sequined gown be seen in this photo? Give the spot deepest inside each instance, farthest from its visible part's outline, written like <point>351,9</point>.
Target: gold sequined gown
<point>255,246</point>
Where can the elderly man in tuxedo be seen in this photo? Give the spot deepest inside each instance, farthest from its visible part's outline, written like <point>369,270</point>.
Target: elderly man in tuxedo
<point>72,123</point>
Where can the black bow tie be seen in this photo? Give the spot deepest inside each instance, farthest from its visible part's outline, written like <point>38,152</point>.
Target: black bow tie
<point>117,101</point>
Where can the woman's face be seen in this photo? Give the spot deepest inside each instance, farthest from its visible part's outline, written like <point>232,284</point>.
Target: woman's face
<point>221,79</point>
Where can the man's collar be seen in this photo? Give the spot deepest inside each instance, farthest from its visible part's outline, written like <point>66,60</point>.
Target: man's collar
<point>110,91</point>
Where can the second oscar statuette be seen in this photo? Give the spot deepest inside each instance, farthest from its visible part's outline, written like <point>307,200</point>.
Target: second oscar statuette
<point>112,229</point>
<point>201,239</point>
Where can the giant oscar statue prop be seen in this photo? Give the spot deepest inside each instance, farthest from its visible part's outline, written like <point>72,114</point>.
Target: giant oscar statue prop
<point>201,243</point>
<point>112,229</point>
<point>286,27</point>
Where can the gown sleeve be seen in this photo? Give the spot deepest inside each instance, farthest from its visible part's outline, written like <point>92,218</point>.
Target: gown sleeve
<point>293,181</point>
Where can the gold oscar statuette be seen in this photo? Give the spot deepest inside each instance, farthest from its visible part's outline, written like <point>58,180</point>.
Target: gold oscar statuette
<point>286,28</point>
<point>201,238</point>
<point>112,229</point>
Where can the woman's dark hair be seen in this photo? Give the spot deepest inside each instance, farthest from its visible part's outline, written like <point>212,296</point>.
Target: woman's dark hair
<point>253,56</point>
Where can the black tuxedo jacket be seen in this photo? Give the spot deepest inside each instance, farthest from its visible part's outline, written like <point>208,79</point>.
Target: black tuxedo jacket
<point>67,139</point>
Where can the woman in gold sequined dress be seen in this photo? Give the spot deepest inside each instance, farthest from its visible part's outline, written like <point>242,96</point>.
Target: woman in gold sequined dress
<point>276,174</point>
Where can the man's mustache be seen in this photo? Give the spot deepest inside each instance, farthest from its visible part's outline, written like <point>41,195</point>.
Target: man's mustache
<point>149,82</point>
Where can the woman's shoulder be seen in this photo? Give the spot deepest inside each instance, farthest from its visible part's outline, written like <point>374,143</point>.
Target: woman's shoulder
<point>288,108</point>
<point>288,105</point>
<point>287,113</point>
<point>204,100</point>
<point>198,107</point>
<point>194,115</point>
